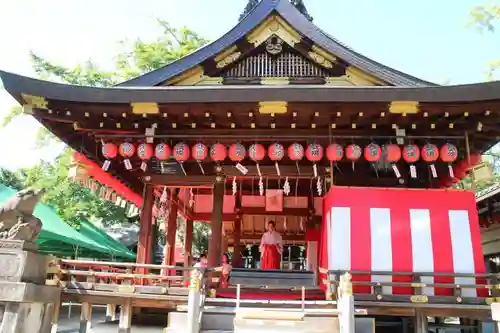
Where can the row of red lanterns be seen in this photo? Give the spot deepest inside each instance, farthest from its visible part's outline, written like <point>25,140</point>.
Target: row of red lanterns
<point>314,152</point>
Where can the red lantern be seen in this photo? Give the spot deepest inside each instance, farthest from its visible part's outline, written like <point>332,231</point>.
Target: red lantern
<point>430,153</point>
<point>199,152</point>
<point>411,153</point>
<point>237,152</point>
<point>256,152</point>
<point>373,152</point>
<point>162,151</point>
<point>181,152</point>
<point>218,152</point>
<point>334,152</point>
<point>127,149</point>
<point>353,152</point>
<point>145,151</point>
<point>296,152</point>
<point>314,152</point>
<point>449,153</point>
<point>276,152</point>
<point>109,150</point>
<point>392,153</point>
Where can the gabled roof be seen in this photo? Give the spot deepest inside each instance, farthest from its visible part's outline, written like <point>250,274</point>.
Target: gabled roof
<point>300,23</point>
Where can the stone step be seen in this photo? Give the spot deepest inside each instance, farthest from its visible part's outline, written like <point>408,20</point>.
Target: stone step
<point>288,326</point>
<point>272,278</point>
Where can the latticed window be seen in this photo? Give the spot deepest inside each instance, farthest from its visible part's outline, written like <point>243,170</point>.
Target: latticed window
<point>288,63</point>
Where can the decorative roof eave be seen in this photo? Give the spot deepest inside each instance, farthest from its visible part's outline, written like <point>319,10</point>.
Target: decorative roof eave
<point>290,14</point>
<point>18,86</point>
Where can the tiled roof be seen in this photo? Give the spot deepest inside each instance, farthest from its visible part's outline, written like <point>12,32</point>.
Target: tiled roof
<point>288,12</point>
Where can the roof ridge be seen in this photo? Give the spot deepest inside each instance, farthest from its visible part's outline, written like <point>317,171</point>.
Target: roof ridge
<point>299,22</point>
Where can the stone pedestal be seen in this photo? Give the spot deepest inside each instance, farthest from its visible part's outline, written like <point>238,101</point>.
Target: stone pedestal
<point>27,301</point>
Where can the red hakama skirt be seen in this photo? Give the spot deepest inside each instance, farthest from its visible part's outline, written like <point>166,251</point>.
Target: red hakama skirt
<point>271,258</point>
<point>224,281</point>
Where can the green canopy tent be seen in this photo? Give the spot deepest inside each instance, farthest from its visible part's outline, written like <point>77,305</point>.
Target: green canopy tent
<point>95,233</point>
<point>57,237</point>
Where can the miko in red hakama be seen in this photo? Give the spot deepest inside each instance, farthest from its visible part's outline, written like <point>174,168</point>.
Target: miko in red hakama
<point>270,250</point>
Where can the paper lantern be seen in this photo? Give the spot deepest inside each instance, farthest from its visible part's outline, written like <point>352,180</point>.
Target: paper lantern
<point>411,153</point>
<point>276,152</point>
<point>127,149</point>
<point>199,152</point>
<point>256,152</point>
<point>334,152</point>
<point>237,152</point>
<point>430,153</point>
<point>295,151</point>
<point>353,152</point>
<point>314,152</point>
<point>218,152</point>
<point>109,150</point>
<point>449,153</point>
<point>162,151</point>
<point>181,152</point>
<point>392,153</point>
<point>145,151</point>
<point>373,152</point>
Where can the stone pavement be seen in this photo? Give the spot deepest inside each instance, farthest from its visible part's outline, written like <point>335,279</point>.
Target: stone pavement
<point>72,324</point>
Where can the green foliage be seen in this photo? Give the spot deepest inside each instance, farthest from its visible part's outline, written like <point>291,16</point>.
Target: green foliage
<point>11,179</point>
<point>72,201</point>
<point>136,58</point>
<point>201,234</point>
<point>148,56</point>
<point>14,112</point>
<point>248,8</point>
<point>487,17</point>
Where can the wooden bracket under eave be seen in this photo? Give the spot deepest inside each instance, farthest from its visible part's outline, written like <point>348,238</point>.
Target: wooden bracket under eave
<point>404,107</point>
<point>145,108</point>
<point>273,107</point>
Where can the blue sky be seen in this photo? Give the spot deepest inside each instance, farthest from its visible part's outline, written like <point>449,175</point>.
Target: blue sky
<point>426,38</point>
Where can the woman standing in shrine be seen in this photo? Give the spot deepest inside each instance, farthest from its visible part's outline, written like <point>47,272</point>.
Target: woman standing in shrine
<point>271,248</point>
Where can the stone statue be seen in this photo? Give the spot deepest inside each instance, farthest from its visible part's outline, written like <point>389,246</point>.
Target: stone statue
<point>16,216</point>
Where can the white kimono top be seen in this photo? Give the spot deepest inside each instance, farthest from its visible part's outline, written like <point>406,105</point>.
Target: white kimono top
<point>271,238</point>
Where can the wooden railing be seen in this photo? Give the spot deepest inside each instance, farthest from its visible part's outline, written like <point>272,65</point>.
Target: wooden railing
<point>125,277</point>
<point>437,288</point>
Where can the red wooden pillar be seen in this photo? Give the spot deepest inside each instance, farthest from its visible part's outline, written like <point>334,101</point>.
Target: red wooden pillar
<point>171,230</point>
<point>214,246</point>
<point>188,243</point>
<point>144,242</point>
